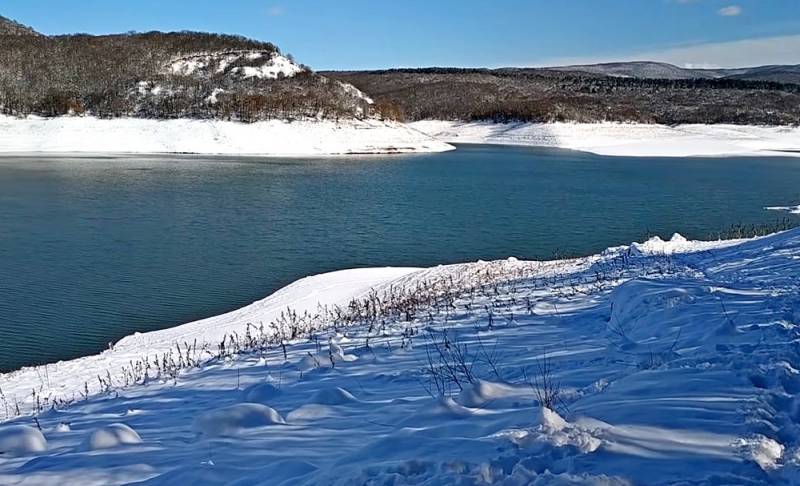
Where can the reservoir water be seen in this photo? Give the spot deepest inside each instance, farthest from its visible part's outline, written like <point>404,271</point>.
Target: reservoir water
<point>95,248</point>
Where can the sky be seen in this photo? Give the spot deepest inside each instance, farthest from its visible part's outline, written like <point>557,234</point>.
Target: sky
<point>375,34</point>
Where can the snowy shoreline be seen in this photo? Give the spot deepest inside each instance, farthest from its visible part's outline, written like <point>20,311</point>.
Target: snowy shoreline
<point>673,361</point>
<point>67,380</point>
<point>276,138</point>
<point>625,139</point>
<point>65,135</point>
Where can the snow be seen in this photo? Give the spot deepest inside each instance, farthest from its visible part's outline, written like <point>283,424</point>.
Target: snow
<point>261,65</point>
<point>111,436</point>
<point>352,90</point>
<point>790,209</point>
<point>273,138</point>
<point>669,361</point>
<point>236,419</point>
<point>68,379</point>
<point>320,137</point>
<point>625,139</point>
<point>261,393</point>
<point>550,428</point>
<point>21,440</point>
<point>333,396</point>
<point>279,66</point>
<point>213,97</point>
<point>763,451</point>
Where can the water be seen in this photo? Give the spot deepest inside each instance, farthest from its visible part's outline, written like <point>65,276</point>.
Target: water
<point>93,249</point>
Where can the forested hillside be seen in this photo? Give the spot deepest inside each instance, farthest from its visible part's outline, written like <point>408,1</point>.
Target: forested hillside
<point>12,27</point>
<point>661,70</point>
<point>546,95</point>
<point>163,75</point>
<point>200,75</point>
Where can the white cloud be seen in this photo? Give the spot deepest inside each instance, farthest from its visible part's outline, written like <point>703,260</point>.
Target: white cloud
<point>275,11</point>
<point>731,54</point>
<point>740,53</point>
<point>730,11</point>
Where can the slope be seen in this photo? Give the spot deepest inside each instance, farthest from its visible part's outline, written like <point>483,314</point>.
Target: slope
<point>650,363</point>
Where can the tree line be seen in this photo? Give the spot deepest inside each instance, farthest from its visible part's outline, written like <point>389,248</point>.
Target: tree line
<point>541,95</point>
<point>129,75</point>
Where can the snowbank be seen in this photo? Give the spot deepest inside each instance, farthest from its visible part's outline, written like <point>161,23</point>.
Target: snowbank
<point>309,138</point>
<point>625,139</point>
<point>111,436</point>
<point>789,209</point>
<point>236,419</point>
<point>273,138</point>
<point>657,363</point>
<point>21,440</point>
<point>71,378</point>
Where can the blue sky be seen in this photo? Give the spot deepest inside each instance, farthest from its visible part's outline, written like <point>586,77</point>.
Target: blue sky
<point>357,34</point>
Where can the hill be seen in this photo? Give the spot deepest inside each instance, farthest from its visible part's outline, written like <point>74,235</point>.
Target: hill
<point>779,74</point>
<point>11,27</point>
<point>222,77</point>
<point>164,75</point>
<point>661,70</point>
<point>641,69</point>
<point>550,95</point>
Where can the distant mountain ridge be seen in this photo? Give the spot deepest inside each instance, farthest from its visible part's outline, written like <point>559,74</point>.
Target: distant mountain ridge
<point>778,74</point>
<point>662,70</point>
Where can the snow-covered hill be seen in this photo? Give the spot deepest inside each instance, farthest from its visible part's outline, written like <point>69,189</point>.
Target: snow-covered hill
<point>662,70</point>
<point>653,363</point>
<point>172,75</point>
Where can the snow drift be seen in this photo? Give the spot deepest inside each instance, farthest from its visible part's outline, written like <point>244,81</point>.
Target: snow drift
<point>111,436</point>
<point>21,440</point>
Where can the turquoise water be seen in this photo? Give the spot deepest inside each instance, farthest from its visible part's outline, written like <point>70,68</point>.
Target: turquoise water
<point>93,249</point>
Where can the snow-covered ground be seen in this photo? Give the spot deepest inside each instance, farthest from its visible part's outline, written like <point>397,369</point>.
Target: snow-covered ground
<point>261,65</point>
<point>660,362</point>
<point>625,139</point>
<point>789,209</point>
<point>130,135</point>
<point>74,134</point>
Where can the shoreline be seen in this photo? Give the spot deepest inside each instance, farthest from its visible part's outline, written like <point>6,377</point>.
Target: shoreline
<point>73,378</point>
<point>711,328</point>
<point>85,135</point>
<point>625,139</point>
<point>274,138</point>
